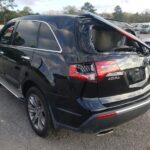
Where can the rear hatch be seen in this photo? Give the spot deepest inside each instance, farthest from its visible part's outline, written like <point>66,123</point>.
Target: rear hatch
<point>121,60</point>
<point>119,74</point>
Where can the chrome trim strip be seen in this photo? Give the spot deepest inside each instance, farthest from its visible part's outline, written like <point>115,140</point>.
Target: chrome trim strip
<point>113,74</point>
<point>30,48</point>
<point>25,57</point>
<point>133,107</point>
<point>110,99</point>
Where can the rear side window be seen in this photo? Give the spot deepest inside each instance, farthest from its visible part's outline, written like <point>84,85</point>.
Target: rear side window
<point>26,34</point>
<point>47,40</point>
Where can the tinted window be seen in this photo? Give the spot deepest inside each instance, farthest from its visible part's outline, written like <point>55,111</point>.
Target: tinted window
<point>7,34</point>
<point>26,34</point>
<point>46,39</point>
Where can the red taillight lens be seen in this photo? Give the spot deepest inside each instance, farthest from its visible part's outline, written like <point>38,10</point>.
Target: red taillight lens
<point>105,67</point>
<point>92,72</point>
<point>82,72</point>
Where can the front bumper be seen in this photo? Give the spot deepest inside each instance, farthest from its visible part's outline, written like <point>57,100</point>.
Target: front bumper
<point>108,120</point>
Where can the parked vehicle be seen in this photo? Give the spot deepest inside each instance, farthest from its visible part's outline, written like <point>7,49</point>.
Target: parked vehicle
<point>78,72</point>
<point>137,28</point>
<point>145,29</point>
<point>146,41</point>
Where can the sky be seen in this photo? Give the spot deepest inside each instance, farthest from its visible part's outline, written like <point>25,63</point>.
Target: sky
<point>43,6</point>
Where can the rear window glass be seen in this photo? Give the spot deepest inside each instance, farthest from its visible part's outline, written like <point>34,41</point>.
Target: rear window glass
<point>47,40</point>
<point>97,37</point>
<point>106,39</point>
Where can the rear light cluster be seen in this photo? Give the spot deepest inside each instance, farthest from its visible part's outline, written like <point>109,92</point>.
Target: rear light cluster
<point>93,72</point>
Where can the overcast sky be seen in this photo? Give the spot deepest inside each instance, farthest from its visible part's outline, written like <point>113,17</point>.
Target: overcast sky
<point>101,5</point>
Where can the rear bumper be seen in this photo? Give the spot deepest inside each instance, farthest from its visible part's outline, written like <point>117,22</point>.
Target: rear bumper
<point>107,120</point>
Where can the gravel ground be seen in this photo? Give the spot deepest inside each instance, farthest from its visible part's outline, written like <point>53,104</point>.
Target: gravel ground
<point>16,133</point>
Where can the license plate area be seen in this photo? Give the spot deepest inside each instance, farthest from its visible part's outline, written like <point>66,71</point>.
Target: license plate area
<point>136,75</point>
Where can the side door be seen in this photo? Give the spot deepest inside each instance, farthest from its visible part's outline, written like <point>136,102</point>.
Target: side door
<point>5,41</point>
<point>17,57</point>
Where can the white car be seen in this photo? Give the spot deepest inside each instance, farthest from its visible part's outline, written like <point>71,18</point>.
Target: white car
<point>145,29</point>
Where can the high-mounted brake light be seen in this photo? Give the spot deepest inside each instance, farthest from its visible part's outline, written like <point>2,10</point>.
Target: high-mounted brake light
<point>92,72</point>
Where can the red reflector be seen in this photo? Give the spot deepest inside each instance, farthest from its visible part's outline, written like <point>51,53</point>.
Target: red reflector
<point>105,67</point>
<point>106,115</point>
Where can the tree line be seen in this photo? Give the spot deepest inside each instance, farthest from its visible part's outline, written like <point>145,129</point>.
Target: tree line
<point>118,13</point>
<point>7,12</point>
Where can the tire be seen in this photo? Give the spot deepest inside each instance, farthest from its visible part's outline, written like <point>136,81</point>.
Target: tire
<point>38,112</point>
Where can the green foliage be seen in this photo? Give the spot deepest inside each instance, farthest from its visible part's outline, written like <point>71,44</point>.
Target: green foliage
<point>4,8</point>
<point>7,14</point>
<point>88,7</point>
<point>118,14</point>
<point>10,14</point>
<point>6,4</point>
<point>72,10</point>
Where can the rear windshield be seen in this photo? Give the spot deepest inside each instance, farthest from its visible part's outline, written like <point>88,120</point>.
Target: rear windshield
<point>99,37</point>
<point>106,39</point>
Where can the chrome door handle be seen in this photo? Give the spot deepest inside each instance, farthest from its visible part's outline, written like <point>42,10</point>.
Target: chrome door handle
<point>25,57</point>
<point>1,53</point>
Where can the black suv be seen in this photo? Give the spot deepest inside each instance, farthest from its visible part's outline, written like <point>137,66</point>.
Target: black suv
<point>78,72</point>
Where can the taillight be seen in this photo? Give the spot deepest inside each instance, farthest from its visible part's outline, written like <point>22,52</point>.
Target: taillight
<point>92,72</point>
<point>105,67</point>
<point>85,72</point>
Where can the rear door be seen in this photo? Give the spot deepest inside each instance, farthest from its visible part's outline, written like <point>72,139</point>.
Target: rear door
<point>18,55</point>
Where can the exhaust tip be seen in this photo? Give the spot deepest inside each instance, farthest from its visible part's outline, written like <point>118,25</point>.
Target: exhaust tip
<point>109,131</point>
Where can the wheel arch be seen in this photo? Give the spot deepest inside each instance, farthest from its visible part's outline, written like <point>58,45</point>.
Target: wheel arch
<point>28,83</point>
